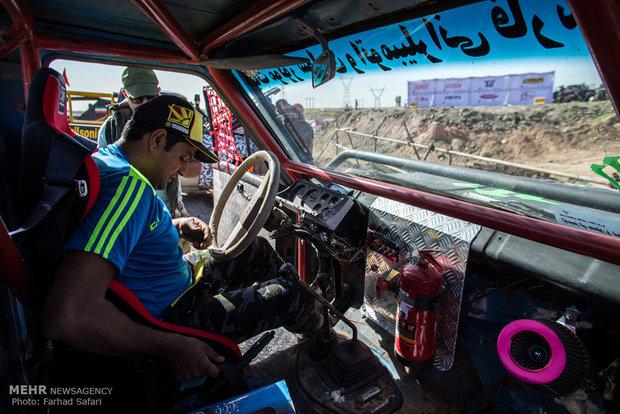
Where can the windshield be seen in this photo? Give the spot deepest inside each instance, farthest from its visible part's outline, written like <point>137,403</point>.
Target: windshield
<point>445,102</point>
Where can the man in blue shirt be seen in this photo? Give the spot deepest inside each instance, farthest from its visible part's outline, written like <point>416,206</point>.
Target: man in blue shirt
<point>130,236</point>
<point>139,85</point>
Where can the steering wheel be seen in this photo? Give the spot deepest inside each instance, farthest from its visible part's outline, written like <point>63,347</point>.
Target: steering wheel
<point>255,213</point>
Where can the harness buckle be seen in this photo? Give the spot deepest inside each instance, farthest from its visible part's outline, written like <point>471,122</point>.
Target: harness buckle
<point>81,187</point>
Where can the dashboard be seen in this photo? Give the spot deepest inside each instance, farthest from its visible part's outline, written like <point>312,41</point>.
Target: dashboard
<point>320,205</point>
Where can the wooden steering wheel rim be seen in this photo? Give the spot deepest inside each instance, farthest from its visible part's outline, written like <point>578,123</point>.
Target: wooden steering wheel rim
<point>262,202</point>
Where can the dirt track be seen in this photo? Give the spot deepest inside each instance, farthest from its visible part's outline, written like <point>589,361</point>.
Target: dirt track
<point>566,137</point>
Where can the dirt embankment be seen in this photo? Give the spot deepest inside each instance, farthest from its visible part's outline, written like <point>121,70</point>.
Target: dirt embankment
<point>566,137</point>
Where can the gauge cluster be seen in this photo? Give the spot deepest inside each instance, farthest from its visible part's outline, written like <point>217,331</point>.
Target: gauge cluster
<point>319,204</point>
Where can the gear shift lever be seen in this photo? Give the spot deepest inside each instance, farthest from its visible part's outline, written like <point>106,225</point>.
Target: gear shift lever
<point>288,270</point>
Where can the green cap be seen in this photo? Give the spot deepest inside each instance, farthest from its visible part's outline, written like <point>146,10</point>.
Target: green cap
<point>140,82</point>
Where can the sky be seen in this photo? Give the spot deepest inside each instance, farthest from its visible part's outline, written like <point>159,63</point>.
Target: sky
<point>93,77</point>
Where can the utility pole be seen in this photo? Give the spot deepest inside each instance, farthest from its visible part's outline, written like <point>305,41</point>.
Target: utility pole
<point>377,94</point>
<point>346,83</point>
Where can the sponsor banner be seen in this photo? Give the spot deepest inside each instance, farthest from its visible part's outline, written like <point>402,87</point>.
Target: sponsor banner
<point>484,98</point>
<point>451,99</point>
<point>530,96</point>
<point>490,83</point>
<point>421,87</point>
<point>532,80</point>
<point>420,93</point>
<point>88,131</point>
<point>521,89</point>
<point>452,85</point>
<point>421,101</point>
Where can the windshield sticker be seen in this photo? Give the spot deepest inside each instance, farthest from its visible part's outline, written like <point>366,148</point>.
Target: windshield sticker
<point>543,28</point>
<point>500,192</point>
<point>608,161</point>
<point>583,220</point>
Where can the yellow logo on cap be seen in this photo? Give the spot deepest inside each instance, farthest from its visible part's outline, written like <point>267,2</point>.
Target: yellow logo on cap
<point>180,116</point>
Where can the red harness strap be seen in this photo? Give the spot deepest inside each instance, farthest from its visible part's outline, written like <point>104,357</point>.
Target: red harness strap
<point>131,300</point>
<point>14,271</point>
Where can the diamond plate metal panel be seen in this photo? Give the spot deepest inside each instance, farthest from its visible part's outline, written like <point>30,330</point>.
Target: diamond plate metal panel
<point>412,229</point>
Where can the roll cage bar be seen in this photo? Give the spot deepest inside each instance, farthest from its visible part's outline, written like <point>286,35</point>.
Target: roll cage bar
<point>598,20</point>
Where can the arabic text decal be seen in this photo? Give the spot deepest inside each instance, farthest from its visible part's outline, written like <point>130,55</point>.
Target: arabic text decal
<point>440,38</point>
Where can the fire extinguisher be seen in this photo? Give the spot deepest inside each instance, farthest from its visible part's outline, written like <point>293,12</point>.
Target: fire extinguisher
<point>418,310</point>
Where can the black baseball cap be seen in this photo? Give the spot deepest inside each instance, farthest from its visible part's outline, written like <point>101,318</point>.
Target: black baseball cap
<point>177,116</point>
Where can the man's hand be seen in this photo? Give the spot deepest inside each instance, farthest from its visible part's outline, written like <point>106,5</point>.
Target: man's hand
<point>194,230</point>
<point>191,359</point>
<point>77,313</point>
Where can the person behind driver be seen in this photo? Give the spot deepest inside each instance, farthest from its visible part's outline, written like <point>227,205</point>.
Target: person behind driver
<point>130,236</point>
<point>293,119</point>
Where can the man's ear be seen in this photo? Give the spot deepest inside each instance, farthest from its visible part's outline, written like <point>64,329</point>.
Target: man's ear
<point>157,139</point>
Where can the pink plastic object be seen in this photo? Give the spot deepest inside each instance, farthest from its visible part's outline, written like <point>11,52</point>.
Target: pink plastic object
<point>549,372</point>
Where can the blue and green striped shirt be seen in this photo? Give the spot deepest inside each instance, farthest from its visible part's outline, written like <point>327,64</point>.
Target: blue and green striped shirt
<point>131,227</point>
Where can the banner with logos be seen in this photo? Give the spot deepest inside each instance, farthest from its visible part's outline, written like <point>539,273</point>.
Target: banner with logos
<point>452,85</point>
<point>530,96</point>
<point>421,100</point>
<point>451,99</point>
<point>517,89</point>
<point>486,98</point>
<point>490,83</point>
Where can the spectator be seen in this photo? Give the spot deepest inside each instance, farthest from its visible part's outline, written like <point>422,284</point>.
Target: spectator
<point>139,85</point>
<point>295,122</point>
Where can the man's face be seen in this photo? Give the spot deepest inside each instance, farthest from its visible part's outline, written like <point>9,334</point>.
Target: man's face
<point>136,102</point>
<point>171,163</point>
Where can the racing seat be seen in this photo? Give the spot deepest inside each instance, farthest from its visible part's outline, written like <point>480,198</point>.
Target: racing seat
<point>59,183</point>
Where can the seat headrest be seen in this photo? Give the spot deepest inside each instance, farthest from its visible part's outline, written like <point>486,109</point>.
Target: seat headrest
<point>50,148</point>
<point>47,101</point>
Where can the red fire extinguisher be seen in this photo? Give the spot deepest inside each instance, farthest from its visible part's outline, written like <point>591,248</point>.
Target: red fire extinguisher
<point>418,309</point>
